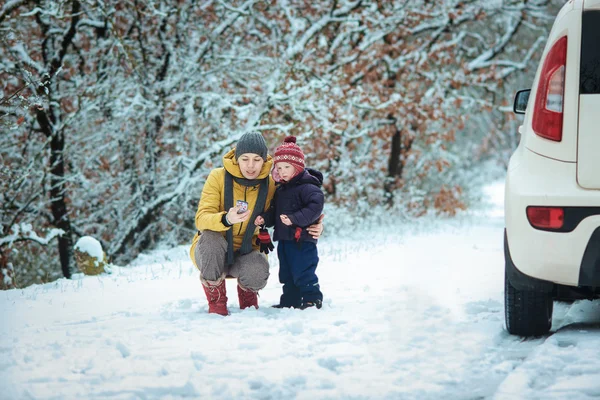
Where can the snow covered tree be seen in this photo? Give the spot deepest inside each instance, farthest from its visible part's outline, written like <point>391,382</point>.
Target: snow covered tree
<point>39,63</point>
<point>115,112</point>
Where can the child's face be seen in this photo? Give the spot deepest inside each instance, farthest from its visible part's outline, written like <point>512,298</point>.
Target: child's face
<point>286,170</point>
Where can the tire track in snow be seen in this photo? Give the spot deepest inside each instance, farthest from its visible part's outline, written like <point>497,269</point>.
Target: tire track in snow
<point>566,364</point>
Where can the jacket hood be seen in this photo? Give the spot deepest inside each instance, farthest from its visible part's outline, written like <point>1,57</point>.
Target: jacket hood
<point>309,175</point>
<point>232,166</point>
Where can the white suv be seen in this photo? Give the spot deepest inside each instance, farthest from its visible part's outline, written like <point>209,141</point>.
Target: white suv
<point>552,195</point>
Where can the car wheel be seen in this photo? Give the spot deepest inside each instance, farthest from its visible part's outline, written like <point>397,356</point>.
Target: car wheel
<point>527,312</point>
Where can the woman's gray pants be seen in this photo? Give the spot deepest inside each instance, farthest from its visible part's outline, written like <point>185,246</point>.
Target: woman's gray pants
<point>251,270</point>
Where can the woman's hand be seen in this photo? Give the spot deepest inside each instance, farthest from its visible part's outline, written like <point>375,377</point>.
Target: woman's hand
<point>316,230</point>
<point>285,219</point>
<point>234,218</point>
<point>259,221</point>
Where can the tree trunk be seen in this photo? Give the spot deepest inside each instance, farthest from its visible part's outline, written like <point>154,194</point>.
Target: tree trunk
<point>58,205</point>
<point>395,166</point>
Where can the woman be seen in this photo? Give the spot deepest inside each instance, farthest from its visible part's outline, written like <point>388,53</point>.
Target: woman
<point>225,244</point>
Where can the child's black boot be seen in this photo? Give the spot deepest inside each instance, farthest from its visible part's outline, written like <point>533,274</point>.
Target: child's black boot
<point>304,304</point>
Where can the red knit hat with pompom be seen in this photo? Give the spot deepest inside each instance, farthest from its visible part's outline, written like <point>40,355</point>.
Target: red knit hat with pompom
<point>290,152</point>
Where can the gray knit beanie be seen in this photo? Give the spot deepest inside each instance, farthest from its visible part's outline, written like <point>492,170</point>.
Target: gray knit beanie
<point>251,142</point>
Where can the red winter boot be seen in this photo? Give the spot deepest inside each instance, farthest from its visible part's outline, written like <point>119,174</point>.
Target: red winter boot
<point>247,297</point>
<point>217,297</point>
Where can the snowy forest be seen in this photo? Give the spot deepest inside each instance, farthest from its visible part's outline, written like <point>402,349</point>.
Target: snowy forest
<point>112,113</point>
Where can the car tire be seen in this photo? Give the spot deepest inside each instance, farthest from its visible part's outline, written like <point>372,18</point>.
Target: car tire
<point>527,312</point>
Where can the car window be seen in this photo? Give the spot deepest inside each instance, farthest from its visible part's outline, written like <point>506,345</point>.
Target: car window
<point>589,75</point>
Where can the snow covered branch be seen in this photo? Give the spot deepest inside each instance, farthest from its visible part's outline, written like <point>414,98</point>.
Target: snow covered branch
<point>9,7</point>
<point>146,213</point>
<point>483,60</point>
<point>24,231</point>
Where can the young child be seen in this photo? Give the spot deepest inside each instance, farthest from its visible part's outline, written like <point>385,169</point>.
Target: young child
<point>298,203</point>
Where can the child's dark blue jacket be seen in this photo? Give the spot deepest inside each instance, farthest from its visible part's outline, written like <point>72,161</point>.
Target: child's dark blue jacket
<point>302,200</point>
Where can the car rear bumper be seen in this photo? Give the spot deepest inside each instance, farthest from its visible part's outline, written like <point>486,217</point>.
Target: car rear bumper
<point>558,257</point>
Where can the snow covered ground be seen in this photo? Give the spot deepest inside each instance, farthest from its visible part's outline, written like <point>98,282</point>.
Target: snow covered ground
<point>410,312</point>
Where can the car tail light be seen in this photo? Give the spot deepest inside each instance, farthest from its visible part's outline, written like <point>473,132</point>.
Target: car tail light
<point>546,217</point>
<point>548,109</point>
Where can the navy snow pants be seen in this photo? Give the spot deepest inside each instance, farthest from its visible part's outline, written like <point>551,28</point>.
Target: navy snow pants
<point>297,266</point>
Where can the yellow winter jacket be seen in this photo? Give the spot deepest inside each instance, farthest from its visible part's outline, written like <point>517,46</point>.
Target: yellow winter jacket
<point>211,206</point>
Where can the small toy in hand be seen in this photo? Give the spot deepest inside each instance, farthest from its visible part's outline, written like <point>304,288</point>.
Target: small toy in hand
<point>243,206</point>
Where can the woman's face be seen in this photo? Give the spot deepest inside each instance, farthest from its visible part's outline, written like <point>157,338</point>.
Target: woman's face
<point>250,165</point>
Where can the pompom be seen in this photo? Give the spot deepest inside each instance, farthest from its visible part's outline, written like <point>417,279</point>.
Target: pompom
<point>290,139</point>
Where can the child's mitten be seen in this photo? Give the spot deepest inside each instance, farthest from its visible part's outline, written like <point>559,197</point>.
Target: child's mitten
<point>263,241</point>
